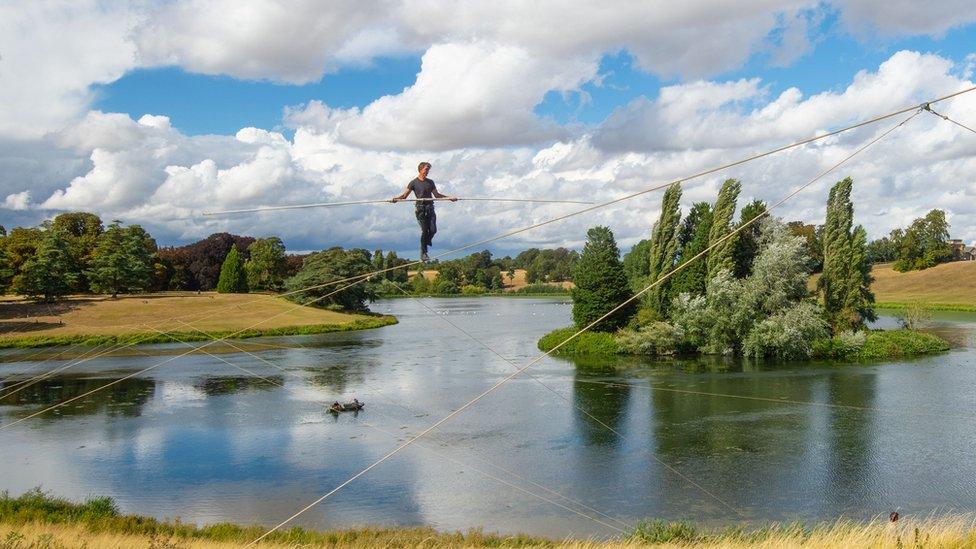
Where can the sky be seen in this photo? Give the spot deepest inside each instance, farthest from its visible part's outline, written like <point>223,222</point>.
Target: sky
<point>152,112</point>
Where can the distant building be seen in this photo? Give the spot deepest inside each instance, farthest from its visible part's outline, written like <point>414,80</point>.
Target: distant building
<point>969,254</point>
<point>960,252</point>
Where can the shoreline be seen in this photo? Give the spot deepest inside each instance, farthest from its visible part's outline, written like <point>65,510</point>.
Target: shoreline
<point>148,338</point>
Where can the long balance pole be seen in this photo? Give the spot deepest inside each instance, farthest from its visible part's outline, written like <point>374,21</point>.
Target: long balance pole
<point>387,201</point>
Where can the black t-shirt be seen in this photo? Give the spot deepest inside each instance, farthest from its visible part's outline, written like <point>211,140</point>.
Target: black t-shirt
<point>422,189</point>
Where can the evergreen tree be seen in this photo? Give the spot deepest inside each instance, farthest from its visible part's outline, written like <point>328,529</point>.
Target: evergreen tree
<point>233,278</point>
<point>664,250</point>
<point>48,273</point>
<point>83,230</point>
<point>266,266</point>
<point>720,256</point>
<point>377,260</point>
<point>693,238</point>
<point>601,283</point>
<point>747,241</point>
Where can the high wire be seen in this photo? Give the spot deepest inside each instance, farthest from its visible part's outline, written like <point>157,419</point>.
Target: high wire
<point>389,201</point>
<point>586,328</point>
<point>365,276</point>
<point>360,278</point>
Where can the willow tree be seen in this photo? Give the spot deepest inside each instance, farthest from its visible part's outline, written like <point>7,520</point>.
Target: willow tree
<point>720,257</point>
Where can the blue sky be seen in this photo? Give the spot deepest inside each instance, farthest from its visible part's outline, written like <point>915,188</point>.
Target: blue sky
<point>204,104</point>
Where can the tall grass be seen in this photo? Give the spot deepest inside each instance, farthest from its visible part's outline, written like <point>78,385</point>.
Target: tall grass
<point>36,520</point>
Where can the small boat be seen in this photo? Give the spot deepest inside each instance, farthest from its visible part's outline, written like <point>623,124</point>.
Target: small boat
<point>353,406</point>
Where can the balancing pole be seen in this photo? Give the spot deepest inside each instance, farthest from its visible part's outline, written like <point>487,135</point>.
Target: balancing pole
<point>387,201</point>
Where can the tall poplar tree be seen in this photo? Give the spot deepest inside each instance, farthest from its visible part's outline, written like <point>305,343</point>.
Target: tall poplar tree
<point>845,283</point>
<point>664,250</point>
<point>720,257</point>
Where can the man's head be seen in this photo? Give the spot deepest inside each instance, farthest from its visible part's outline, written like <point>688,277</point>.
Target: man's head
<point>423,168</point>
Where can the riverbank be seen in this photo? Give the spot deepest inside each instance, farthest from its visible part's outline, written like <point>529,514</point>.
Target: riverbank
<point>167,317</point>
<point>35,519</point>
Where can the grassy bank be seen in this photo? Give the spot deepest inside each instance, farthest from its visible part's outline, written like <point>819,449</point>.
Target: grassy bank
<point>37,520</point>
<point>870,345</point>
<point>96,320</point>
<point>946,287</point>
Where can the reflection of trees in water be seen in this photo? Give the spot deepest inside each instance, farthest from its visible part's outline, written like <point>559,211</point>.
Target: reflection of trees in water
<point>228,385</point>
<point>714,425</point>
<point>849,432</point>
<point>608,403</point>
<point>337,377</point>
<point>125,398</point>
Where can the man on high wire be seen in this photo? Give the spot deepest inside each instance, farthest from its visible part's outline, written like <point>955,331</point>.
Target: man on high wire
<point>424,188</point>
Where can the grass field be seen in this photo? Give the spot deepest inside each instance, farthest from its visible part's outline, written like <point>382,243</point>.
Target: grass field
<point>98,319</point>
<point>950,286</point>
<point>38,520</point>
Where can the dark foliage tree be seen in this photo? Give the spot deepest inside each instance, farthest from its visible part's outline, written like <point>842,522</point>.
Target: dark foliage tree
<point>233,277</point>
<point>319,269</point>
<point>601,284</point>
<point>637,264</point>
<point>693,239</point>
<point>747,241</point>
<point>925,243</point>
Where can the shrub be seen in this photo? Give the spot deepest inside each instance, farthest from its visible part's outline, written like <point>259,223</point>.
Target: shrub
<point>878,345</point>
<point>656,338</point>
<point>587,343</point>
<point>658,531</point>
<point>471,289</point>
<point>787,334</point>
<point>541,289</point>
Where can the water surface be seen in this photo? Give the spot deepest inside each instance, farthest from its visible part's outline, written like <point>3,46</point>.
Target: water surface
<point>707,440</point>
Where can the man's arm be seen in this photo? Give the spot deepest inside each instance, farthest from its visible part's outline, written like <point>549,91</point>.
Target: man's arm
<point>401,196</point>
<point>437,194</point>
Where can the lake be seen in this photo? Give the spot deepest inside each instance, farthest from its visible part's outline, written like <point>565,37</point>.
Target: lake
<point>712,441</point>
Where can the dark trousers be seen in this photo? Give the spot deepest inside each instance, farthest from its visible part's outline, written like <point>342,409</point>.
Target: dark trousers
<point>428,225</point>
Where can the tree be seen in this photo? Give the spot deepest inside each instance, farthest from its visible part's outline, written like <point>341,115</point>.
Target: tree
<point>266,266</point>
<point>844,284</point>
<point>391,262</point>
<point>6,273</point>
<point>48,273</point>
<point>664,251</point>
<point>720,255</point>
<point>637,264</point>
<point>233,278</point>
<point>312,283</point>
<point>601,284</point>
<point>693,238</point>
<point>83,230</point>
<point>122,261</point>
<point>925,243</point>
<point>21,244</point>
<point>747,241</point>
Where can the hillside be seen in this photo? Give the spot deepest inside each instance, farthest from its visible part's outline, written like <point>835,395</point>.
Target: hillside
<point>947,284</point>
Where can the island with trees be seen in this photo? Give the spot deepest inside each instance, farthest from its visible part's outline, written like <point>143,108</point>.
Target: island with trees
<point>711,288</point>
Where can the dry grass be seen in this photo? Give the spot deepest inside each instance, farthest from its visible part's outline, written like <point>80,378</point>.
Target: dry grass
<point>948,532</point>
<point>104,316</point>
<point>951,285</point>
<point>948,284</point>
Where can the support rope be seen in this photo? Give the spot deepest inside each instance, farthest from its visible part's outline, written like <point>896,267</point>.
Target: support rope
<point>647,288</point>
